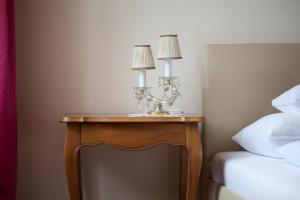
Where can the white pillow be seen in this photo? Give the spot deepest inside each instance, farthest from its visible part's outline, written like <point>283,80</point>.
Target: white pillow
<point>267,134</point>
<point>289,101</point>
<point>291,152</point>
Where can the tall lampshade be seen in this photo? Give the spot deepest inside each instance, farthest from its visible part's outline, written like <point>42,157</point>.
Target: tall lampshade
<point>142,58</point>
<point>169,48</point>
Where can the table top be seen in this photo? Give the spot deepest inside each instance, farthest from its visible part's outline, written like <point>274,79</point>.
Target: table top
<point>128,118</point>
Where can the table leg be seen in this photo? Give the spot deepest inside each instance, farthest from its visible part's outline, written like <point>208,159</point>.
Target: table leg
<point>183,173</point>
<point>72,165</point>
<point>194,160</point>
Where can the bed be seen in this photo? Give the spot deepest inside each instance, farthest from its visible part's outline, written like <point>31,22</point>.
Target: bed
<point>240,82</point>
<point>256,177</point>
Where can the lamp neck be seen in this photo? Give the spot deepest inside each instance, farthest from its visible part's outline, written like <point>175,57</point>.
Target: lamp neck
<point>168,68</point>
<point>142,78</point>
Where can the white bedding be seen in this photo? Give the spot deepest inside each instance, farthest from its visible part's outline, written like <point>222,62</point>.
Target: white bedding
<point>256,177</point>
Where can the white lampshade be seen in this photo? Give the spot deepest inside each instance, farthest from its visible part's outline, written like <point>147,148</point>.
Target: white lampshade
<point>168,48</point>
<point>142,58</point>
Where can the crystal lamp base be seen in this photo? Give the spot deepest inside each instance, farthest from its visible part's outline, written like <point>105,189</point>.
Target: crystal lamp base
<point>158,110</point>
<point>170,93</point>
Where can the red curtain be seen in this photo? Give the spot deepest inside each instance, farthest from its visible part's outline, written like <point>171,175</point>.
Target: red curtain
<point>8,121</point>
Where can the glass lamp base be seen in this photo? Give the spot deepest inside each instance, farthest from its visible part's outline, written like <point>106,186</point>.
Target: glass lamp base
<point>157,113</point>
<point>158,110</point>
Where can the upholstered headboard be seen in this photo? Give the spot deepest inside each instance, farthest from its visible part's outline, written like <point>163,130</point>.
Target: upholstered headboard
<point>240,81</point>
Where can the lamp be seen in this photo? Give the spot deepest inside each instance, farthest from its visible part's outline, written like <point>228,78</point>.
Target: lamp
<point>168,50</point>
<point>142,60</point>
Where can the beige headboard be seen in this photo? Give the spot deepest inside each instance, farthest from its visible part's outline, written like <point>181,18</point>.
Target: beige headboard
<point>240,81</point>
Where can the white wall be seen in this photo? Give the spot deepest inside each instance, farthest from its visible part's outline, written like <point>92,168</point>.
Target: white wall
<point>74,56</point>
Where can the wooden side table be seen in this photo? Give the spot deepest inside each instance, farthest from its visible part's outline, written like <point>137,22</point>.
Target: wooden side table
<point>135,133</point>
